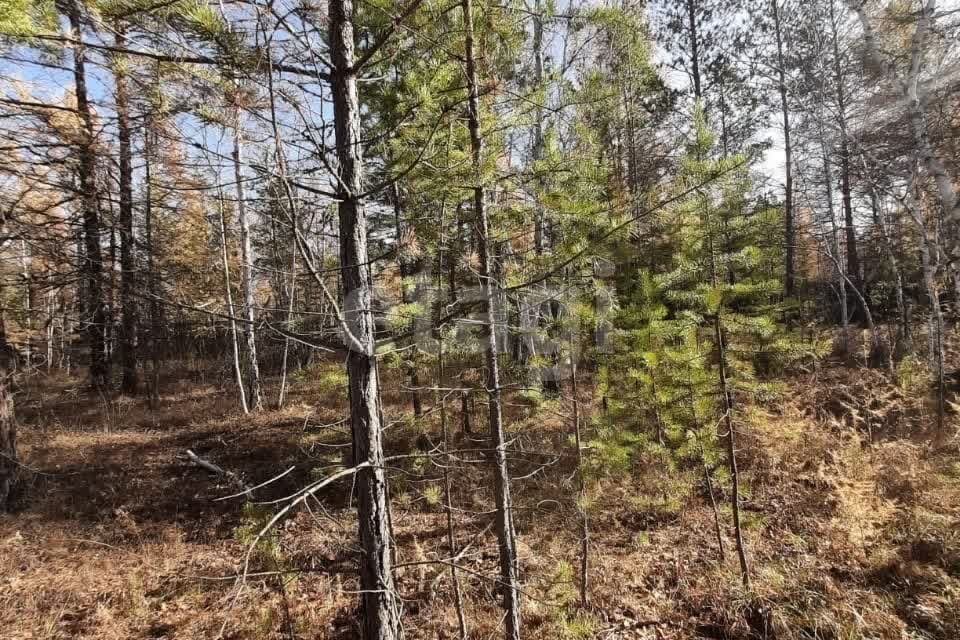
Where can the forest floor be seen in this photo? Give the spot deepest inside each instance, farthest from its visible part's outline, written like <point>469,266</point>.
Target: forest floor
<point>852,514</point>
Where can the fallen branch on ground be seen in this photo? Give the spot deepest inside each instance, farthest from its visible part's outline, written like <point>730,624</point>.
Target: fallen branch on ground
<point>217,470</point>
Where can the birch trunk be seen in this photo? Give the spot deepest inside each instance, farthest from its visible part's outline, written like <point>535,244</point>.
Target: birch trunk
<point>929,260</point>
<point>254,388</point>
<point>151,272</point>
<point>916,98</point>
<point>8,426</point>
<point>231,309</point>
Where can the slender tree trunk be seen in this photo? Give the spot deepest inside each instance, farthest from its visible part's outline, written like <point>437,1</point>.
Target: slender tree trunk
<point>929,259</point>
<point>246,274</point>
<point>581,487</point>
<point>708,479</point>
<point>231,309</point>
<point>713,504</point>
<point>51,327</point>
<point>835,249</point>
<point>536,152</point>
<point>465,425</point>
<point>292,219</point>
<point>95,316</point>
<point>128,305</point>
<point>381,614</point>
<point>441,400</point>
<point>694,49</point>
<point>291,296</point>
<point>903,319</point>
<point>506,535</point>
<point>790,236</point>
<point>111,294</point>
<point>850,232</point>
<point>406,297</point>
<point>529,311</point>
<point>724,131</point>
<point>153,281</point>
<point>853,258</point>
<point>726,394</point>
<point>27,303</point>
<point>8,426</point>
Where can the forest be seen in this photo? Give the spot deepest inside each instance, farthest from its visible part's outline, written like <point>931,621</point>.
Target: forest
<point>473,319</point>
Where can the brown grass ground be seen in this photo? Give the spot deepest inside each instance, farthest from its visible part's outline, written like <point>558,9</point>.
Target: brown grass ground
<point>852,523</point>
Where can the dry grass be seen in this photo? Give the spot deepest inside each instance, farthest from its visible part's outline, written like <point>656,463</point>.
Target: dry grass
<point>852,531</point>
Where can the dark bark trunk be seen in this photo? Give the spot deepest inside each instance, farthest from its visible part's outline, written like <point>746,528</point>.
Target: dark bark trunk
<point>111,285</point>
<point>853,257</point>
<point>95,314</point>
<point>128,305</point>
<point>465,425</point>
<point>707,478</point>
<point>405,270</point>
<point>850,231</point>
<point>506,535</point>
<point>790,238</point>
<point>381,615</point>
<point>726,395</point>
<point>694,50</point>
<point>536,151</point>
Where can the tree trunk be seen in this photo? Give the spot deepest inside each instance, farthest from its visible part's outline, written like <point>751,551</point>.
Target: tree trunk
<point>835,251</point>
<point>8,426</point>
<point>726,394</point>
<point>853,257</point>
<point>128,305</point>
<point>254,388</point>
<point>231,309</point>
<point>440,398</point>
<point>581,486</point>
<point>916,97</point>
<point>153,281</point>
<point>790,237</point>
<point>506,535</point>
<point>95,315</point>
<point>537,148</point>
<point>381,614</point>
<point>111,284</point>
<point>694,49</point>
<point>27,303</point>
<point>929,258</point>
<point>291,296</point>
<point>292,219</point>
<point>405,296</point>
